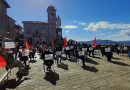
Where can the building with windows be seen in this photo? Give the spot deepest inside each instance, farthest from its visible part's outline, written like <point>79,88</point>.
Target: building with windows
<point>7,24</point>
<point>43,32</point>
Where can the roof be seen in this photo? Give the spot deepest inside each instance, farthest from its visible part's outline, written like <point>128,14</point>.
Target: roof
<point>11,19</point>
<point>18,26</point>
<point>5,3</point>
<point>35,22</point>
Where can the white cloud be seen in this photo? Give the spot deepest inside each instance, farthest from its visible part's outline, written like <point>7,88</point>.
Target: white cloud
<point>82,23</point>
<point>102,34</point>
<point>122,35</point>
<point>70,27</point>
<point>101,25</point>
<point>79,22</point>
<point>67,31</point>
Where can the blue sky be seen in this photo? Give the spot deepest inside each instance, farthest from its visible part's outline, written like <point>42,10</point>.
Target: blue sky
<point>81,19</point>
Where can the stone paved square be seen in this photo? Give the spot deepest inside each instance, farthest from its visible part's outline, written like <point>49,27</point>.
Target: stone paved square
<point>97,75</point>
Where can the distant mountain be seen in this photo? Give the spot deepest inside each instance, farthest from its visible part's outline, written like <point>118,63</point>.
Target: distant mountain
<point>107,42</point>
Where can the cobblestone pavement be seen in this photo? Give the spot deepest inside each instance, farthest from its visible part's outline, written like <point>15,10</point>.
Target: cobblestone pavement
<point>2,72</point>
<point>97,75</point>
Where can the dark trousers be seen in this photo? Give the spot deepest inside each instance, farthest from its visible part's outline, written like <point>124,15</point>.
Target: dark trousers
<point>24,59</point>
<point>67,52</point>
<point>49,63</point>
<point>83,59</point>
<point>109,55</point>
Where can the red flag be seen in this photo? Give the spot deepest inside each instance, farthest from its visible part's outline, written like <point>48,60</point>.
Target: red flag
<point>2,62</point>
<point>95,43</point>
<point>28,45</point>
<point>65,42</point>
<point>52,41</point>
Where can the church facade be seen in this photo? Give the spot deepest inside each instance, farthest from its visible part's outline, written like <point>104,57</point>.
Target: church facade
<point>43,32</point>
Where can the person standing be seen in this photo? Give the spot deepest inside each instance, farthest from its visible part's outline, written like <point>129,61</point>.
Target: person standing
<point>47,57</point>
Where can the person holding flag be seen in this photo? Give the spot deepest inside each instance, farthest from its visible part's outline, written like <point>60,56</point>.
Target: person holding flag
<point>25,53</point>
<point>67,48</point>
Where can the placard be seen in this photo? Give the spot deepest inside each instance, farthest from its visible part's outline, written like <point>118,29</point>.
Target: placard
<point>107,50</point>
<point>81,53</point>
<point>58,53</point>
<point>84,49</point>
<point>67,48</point>
<point>118,48</point>
<point>9,45</point>
<point>125,48</point>
<point>72,47</point>
<point>48,56</point>
<point>20,50</point>
<point>26,52</point>
<point>90,48</point>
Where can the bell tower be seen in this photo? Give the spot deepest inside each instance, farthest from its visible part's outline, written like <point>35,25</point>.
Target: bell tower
<point>51,23</point>
<point>51,15</point>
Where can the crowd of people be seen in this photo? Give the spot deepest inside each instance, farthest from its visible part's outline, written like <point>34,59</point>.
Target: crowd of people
<point>20,57</point>
<point>78,51</point>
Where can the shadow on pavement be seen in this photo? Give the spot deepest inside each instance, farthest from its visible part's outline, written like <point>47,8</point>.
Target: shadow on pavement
<point>97,57</point>
<point>91,61</point>
<point>72,59</point>
<point>119,63</point>
<point>64,58</point>
<point>52,77</point>
<point>32,61</point>
<point>92,69</point>
<point>12,84</point>
<point>116,58</point>
<point>63,66</point>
